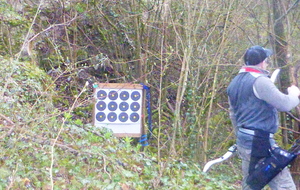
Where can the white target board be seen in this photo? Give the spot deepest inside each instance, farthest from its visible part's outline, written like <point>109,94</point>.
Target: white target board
<point>119,107</point>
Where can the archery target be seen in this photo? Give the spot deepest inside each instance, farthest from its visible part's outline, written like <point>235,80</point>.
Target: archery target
<point>119,109</point>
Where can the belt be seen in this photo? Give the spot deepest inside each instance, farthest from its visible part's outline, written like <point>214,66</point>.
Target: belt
<point>251,132</point>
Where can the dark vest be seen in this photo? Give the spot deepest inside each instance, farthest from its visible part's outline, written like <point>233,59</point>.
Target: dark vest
<point>250,112</point>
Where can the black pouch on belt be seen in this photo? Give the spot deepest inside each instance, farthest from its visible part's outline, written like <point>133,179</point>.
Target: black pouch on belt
<point>260,148</point>
<point>269,167</point>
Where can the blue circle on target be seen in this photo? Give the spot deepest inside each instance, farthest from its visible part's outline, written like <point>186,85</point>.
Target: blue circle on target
<point>112,106</point>
<point>112,117</point>
<point>100,116</point>
<point>135,106</point>
<point>135,95</point>
<point>113,95</point>
<point>123,106</point>
<point>134,117</point>
<point>124,95</point>
<point>101,105</point>
<point>123,117</point>
<point>101,94</point>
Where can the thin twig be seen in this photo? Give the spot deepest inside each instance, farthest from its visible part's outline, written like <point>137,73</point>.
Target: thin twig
<point>52,26</point>
<point>58,135</point>
<point>30,28</point>
<point>7,119</point>
<point>26,41</point>
<point>292,116</point>
<point>287,12</point>
<point>12,177</point>
<point>284,128</point>
<point>11,128</point>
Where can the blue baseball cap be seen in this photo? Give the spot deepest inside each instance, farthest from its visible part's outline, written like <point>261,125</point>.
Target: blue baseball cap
<point>256,54</point>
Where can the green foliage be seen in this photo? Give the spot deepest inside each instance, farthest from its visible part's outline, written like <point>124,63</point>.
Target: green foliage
<point>84,157</point>
<point>22,85</point>
<point>9,16</point>
<point>13,27</point>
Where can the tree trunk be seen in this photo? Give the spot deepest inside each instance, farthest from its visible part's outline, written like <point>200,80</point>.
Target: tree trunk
<point>295,169</point>
<point>281,59</point>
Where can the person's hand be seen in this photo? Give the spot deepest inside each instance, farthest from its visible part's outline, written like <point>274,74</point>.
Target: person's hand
<point>293,90</point>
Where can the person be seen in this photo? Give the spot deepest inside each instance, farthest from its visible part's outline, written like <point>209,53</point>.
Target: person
<point>254,104</point>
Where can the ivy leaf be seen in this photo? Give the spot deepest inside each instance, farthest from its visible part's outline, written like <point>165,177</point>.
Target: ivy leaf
<point>80,7</point>
<point>67,116</point>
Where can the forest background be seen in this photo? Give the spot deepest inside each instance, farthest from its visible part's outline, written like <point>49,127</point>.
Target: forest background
<point>186,51</point>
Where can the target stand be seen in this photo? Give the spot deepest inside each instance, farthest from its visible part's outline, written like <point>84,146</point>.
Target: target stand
<point>119,107</point>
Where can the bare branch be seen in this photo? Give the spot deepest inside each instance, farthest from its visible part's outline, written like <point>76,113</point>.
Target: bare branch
<point>288,11</point>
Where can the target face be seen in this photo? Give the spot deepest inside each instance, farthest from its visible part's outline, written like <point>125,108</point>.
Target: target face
<point>101,94</point>
<point>135,106</point>
<point>112,106</point>
<point>119,109</point>
<point>123,117</point>
<point>124,95</point>
<point>135,95</point>
<point>124,106</point>
<point>134,117</point>
<point>100,116</point>
<point>101,106</point>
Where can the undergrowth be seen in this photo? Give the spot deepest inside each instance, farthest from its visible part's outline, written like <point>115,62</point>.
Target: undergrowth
<point>42,147</point>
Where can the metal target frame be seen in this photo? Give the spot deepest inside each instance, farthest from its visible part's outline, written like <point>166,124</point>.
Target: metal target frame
<point>119,107</point>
